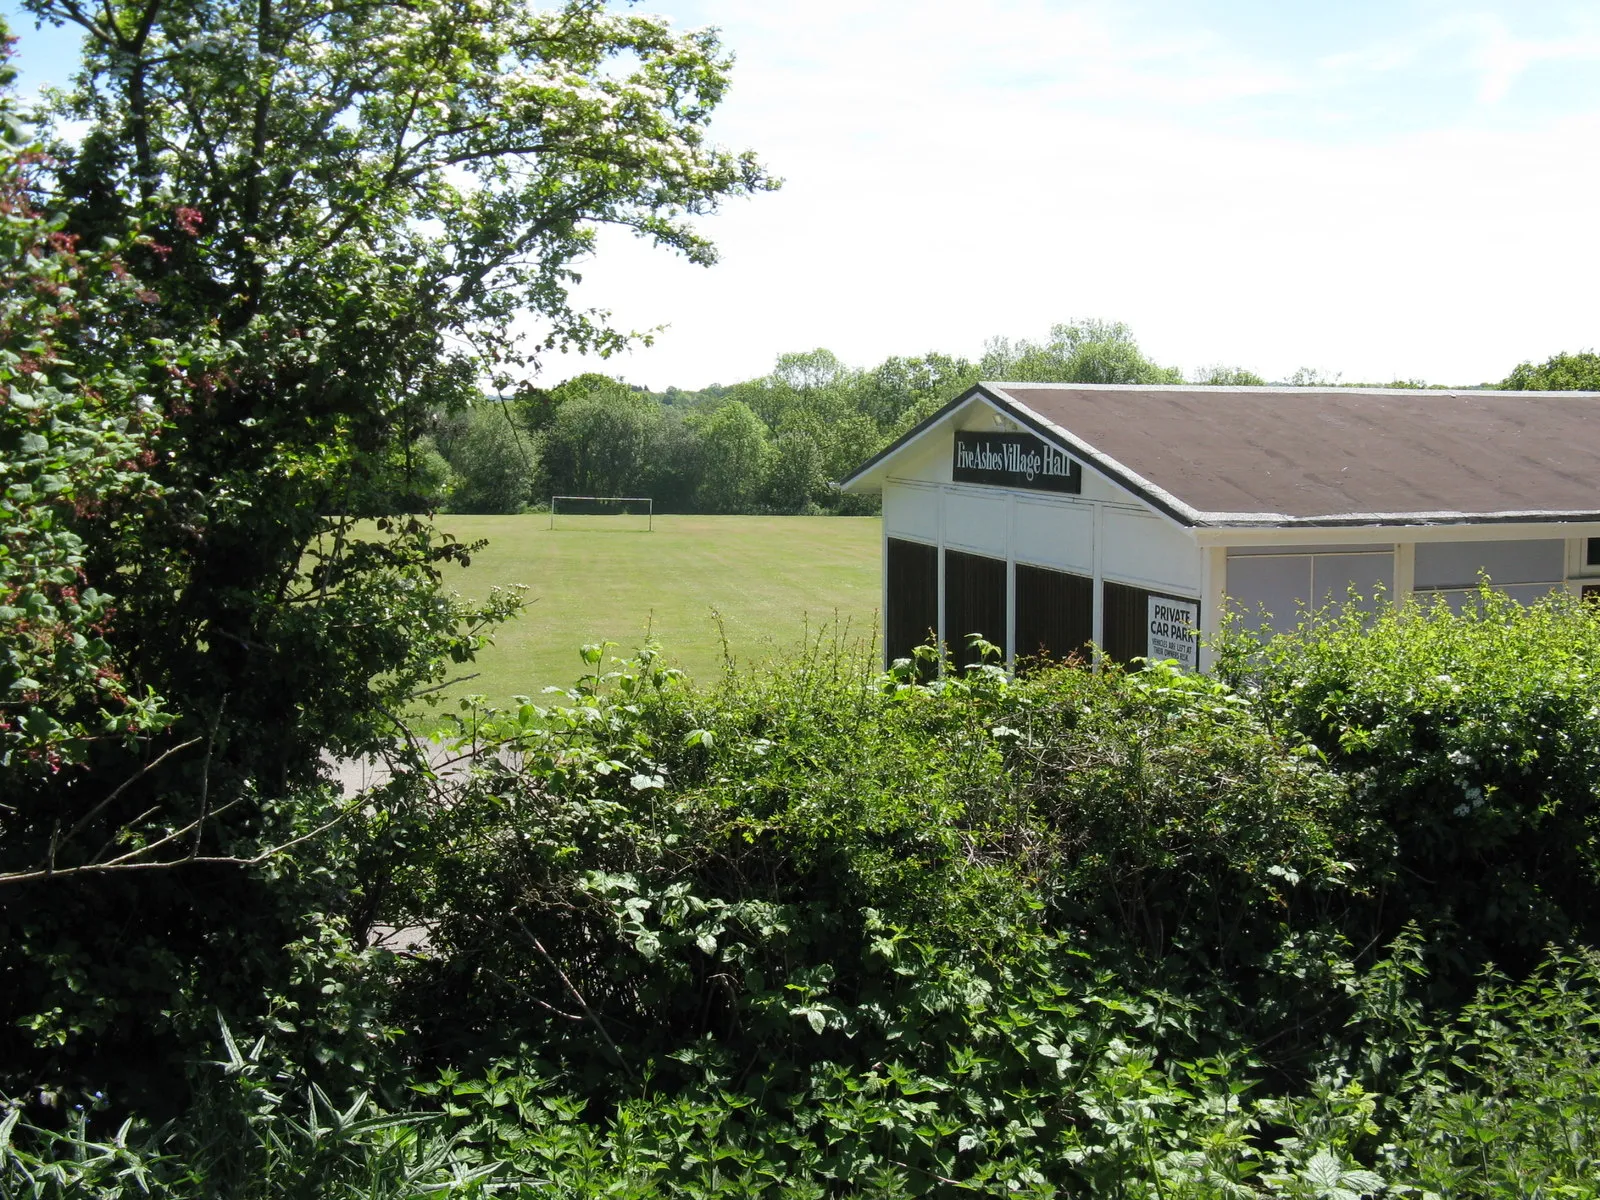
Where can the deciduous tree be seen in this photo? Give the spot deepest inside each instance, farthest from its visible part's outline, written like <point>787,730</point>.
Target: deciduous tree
<point>495,463</point>
<point>341,208</point>
<point>1079,352</point>
<point>1558,373</point>
<point>796,479</point>
<point>603,444</point>
<point>734,456</point>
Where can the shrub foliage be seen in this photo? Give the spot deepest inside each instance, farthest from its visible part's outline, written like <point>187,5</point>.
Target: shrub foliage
<point>829,931</point>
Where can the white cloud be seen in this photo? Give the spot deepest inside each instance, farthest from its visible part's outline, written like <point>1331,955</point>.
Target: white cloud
<point>956,172</point>
<point>1480,44</point>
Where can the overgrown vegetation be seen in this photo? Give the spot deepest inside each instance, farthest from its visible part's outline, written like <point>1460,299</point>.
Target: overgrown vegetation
<point>1319,924</point>
<point>1313,926</point>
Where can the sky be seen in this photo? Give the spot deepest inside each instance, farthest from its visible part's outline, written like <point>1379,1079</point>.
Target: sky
<point>1376,189</point>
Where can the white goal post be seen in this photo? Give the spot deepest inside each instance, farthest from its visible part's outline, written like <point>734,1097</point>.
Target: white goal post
<point>610,507</point>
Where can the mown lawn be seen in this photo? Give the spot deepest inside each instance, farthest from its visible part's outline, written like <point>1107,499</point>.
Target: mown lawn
<point>768,578</point>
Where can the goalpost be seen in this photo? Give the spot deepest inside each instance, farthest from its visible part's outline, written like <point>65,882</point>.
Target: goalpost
<point>604,512</point>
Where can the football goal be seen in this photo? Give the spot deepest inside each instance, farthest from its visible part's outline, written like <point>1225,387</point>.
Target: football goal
<point>630,514</point>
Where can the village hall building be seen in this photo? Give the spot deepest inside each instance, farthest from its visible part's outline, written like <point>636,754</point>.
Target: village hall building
<point>1046,517</point>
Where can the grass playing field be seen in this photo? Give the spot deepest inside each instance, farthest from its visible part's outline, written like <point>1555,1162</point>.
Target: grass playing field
<point>766,576</point>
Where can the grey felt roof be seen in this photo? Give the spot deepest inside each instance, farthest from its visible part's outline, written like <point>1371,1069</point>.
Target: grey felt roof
<point>1323,456</point>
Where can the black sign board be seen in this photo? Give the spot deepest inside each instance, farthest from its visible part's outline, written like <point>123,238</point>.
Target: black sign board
<point>1017,460</point>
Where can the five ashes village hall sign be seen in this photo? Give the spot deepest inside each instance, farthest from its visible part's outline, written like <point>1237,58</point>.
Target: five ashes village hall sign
<point>1017,460</point>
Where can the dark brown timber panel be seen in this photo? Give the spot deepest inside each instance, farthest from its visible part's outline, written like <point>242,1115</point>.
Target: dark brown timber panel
<point>1055,613</point>
<point>1127,610</point>
<point>974,602</point>
<point>913,601</point>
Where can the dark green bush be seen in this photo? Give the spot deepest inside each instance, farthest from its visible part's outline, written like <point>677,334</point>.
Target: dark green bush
<point>830,931</point>
<point>1471,744</point>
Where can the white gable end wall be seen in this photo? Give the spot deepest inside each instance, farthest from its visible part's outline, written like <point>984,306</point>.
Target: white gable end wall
<point>927,461</point>
<point>1103,534</point>
<point>1054,533</point>
<point>977,519</point>
<point>1097,489</point>
<point>1140,547</point>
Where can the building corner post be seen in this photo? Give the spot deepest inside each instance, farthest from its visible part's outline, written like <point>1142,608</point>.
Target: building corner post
<point>1213,587</point>
<point>1405,571</point>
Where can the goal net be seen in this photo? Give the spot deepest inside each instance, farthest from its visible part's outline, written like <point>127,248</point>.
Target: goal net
<point>619,514</point>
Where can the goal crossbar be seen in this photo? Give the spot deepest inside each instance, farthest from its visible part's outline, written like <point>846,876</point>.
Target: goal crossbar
<point>629,501</point>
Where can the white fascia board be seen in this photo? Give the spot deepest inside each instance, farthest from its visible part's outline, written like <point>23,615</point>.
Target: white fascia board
<point>1406,527</point>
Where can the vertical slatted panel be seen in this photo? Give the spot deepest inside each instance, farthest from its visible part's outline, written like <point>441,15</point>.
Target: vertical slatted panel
<point>974,602</point>
<point>1055,613</point>
<point>913,601</point>
<point>1127,629</point>
<point>1125,632</point>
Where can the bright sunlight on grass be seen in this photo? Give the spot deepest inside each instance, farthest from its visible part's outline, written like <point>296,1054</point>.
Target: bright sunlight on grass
<point>768,578</point>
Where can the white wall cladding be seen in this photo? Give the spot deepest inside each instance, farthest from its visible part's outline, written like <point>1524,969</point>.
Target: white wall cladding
<point>927,460</point>
<point>1267,590</point>
<point>977,521</point>
<point>1097,487</point>
<point>1269,587</point>
<point>1054,535</point>
<point>1456,564</point>
<point>1333,575</point>
<point>911,512</point>
<point>1147,550</point>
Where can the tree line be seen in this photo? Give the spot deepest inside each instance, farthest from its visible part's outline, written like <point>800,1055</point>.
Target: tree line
<point>777,443</point>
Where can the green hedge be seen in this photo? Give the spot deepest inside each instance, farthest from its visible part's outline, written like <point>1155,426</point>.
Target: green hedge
<point>830,931</point>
